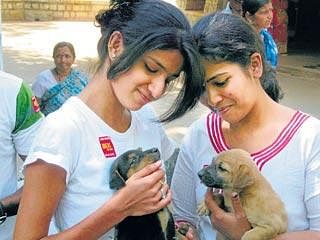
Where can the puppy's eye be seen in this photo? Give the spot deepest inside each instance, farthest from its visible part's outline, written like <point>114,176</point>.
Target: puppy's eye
<point>221,168</point>
<point>134,160</point>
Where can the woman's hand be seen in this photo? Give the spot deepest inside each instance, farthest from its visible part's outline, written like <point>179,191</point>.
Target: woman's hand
<point>232,225</point>
<point>145,191</point>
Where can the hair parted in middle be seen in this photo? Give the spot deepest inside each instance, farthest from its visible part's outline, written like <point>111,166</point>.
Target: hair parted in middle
<point>64,44</point>
<point>225,37</point>
<point>148,25</point>
<point>252,6</point>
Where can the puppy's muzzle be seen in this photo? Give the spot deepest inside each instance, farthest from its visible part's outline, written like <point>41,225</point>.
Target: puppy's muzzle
<point>201,173</point>
<point>207,177</point>
<point>154,153</point>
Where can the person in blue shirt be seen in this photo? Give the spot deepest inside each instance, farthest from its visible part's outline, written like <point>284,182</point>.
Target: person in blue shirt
<point>259,14</point>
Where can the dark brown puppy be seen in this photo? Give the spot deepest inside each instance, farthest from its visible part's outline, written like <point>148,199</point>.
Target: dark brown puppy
<point>155,226</point>
<point>235,171</point>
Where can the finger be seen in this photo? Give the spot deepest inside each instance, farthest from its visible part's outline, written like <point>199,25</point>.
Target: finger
<point>164,201</point>
<point>157,194</point>
<point>149,169</point>
<point>237,206</point>
<point>189,235</point>
<point>211,203</point>
<point>161,184</point>
<point>162,193</point>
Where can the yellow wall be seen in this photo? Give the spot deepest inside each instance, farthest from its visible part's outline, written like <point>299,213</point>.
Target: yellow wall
<point>46,10</point>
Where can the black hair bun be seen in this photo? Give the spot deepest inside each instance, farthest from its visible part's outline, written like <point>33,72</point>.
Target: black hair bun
<point>123,2</point>
<point>120,10</point>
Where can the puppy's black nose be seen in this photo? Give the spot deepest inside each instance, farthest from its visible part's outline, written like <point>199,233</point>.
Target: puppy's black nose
<point>154,150</point>
<point>201,173</point>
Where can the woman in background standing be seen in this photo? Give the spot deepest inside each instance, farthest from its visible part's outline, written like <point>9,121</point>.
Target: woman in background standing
<point>259,13</point>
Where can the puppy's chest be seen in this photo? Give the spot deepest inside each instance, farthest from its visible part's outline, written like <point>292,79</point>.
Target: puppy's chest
<point>156,226</point>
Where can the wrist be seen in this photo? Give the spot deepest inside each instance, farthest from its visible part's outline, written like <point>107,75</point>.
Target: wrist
<point>125,202</point>
<point>3,213</point>
<point>118,206</point>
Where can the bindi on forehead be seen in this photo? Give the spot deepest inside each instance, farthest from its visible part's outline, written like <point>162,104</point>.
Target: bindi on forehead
<point>63,51</point>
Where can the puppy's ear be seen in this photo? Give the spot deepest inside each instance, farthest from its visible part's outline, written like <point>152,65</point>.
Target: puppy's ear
<point>116,180</point>
<point>244,177</point>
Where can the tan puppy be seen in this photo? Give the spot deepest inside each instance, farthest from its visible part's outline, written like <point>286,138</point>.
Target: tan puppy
<point>235,171</point>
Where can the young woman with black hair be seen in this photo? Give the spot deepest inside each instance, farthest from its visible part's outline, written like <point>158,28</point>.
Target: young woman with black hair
<point>283,142</point>
<point>145,46</point>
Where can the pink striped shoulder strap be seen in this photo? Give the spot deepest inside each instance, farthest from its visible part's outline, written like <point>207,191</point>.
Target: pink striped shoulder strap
<point>214,129</point>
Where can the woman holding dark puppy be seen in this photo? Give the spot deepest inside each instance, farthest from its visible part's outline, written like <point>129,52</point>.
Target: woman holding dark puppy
<point>67,171</point>
<point>284,143</point>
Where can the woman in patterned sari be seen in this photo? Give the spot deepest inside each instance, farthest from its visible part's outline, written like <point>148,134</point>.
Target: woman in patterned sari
<point>53,87</point>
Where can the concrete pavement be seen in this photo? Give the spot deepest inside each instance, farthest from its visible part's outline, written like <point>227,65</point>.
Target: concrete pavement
<point>27,49</point>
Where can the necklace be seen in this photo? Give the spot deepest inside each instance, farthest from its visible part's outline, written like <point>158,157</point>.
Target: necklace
<point>59,77</point>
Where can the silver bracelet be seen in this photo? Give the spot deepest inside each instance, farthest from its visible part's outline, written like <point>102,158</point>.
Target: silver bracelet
<point>3,214</point>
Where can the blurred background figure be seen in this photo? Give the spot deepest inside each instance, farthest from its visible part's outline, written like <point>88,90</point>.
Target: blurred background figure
<point>53,87</point>
<point>259,13</point>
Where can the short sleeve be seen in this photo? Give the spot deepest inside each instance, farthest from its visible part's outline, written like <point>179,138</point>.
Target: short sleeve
<point>57,143</point>
<point>28,118</point>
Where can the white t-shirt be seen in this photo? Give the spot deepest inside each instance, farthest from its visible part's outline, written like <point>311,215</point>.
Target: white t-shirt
<point>75,138</point>
<point>44,81</point>
<point>19,122</point>
<point>291,164</point>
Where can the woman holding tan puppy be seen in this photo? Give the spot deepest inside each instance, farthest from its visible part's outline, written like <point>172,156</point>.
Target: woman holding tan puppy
<point>144,46</point>
<point>283,142</point>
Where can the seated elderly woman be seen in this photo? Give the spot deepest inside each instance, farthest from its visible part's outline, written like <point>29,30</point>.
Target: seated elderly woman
<point>53,87</point>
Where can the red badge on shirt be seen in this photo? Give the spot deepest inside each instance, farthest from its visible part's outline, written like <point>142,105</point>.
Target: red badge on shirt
<point>35,104</point>
<point>107,147</point>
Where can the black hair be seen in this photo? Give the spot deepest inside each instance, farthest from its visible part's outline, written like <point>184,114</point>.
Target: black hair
<point>228,38</point>
<point>148,25</point>
<point>252,6</point>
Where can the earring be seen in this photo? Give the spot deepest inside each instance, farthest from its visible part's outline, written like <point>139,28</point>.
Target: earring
<point>112,56</point>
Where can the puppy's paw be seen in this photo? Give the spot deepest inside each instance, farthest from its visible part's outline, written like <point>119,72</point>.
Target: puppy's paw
<point>203,210</point>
